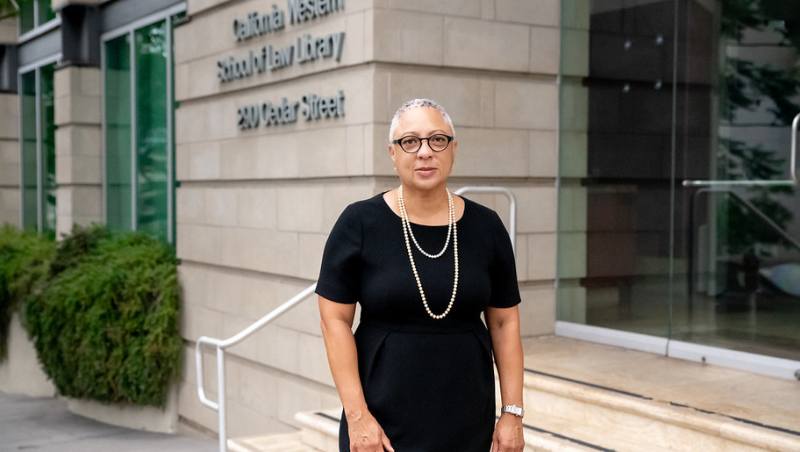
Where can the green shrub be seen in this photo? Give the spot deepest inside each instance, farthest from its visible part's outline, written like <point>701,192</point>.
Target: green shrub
<point>24,261</point>
<point>106,325</point>
<point>77,246</point>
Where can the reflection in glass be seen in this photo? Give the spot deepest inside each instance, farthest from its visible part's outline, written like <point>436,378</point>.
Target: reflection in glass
<point>616,144</point>
<point>118,134</point>
<point>46,12</point>
<point>655,93</point>
<point>743,241</point>
<point>48,151</point>
<point>26,17</point>
<point>27,89</point>
<point>151,128</point>
<point>38,151</point>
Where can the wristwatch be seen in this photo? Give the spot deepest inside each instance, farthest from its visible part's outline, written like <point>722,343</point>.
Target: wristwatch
<point>513,409</point>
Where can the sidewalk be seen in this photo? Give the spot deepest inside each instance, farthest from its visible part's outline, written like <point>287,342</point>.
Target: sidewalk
<point>45,424</point>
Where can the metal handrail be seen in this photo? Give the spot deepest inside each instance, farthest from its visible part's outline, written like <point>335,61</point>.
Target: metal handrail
<point>690,238</point>
<point>222,344</point>
<point>793,178</point>
<point>512,207</point>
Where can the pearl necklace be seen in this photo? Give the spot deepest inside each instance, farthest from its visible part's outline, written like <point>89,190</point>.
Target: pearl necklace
<point>450,216</point>
<point>406,228</point>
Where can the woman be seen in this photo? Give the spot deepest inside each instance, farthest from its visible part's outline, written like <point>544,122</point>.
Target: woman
<point>417,374</point>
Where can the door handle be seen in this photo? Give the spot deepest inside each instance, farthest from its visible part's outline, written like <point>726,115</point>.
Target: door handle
<point>793,155</point>
<point>792,169</point>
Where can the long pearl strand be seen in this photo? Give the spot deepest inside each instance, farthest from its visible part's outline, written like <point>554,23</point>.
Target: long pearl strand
<point>451,220</point>
<point>406,228</point>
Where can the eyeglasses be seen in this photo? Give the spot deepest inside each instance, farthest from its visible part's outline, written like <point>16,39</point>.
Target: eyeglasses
<point>437,142</point>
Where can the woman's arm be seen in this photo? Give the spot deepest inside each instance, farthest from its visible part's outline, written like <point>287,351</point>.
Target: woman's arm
<point>503,324</point>
<point>336,323</point>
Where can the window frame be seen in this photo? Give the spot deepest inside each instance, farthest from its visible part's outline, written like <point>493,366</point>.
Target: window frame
<point>130,30</point>
<point>36,69</point>
<point>39,28</point>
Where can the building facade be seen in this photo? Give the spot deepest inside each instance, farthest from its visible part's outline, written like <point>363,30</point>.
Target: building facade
<point>648,145</point>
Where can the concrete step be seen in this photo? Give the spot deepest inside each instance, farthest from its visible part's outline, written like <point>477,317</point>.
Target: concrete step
<point>581,396</point>
<point>616,419</point>
<point>569,414</point>
<point>279,442</point>
<point>321,431</point>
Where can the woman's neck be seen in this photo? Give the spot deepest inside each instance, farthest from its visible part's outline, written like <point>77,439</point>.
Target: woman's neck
<point>425,203</point>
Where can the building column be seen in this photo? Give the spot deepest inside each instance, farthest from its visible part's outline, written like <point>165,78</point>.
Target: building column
<point>9,159</point>
<point>9,136</point>
<point>78,147</point>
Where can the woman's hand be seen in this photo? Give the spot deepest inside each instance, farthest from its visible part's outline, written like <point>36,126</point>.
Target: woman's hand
<point>507,435</point>
<point>336,322</point>
<point>366,435</point>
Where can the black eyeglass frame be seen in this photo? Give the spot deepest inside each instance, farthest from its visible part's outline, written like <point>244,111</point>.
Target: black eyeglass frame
<point>449,140</point>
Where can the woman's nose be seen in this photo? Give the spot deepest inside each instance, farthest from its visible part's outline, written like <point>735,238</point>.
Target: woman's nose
<point>425,150</point>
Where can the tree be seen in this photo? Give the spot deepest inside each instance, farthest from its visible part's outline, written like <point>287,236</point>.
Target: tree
<point>9,8</point>
<point>745,86</point>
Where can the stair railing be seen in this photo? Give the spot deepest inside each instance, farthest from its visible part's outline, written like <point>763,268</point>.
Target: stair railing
<point>690,242</point>
<point>222,344</point>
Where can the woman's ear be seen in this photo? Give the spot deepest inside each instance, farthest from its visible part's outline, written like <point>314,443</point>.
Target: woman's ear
<point>453,160</point>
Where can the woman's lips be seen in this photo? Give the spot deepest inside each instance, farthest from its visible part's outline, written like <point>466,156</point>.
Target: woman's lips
<point>426,172</point>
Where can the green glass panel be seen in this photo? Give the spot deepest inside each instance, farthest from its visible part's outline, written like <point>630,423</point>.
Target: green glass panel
<point>177,18</point>
<point>26,17</point>
<point>48,150</point>
<point>45,11</point>
<point>118,134</point>
<point>29,179</point>
<point>151,129</point>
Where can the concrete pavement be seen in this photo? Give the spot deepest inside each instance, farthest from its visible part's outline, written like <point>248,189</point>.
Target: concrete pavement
<point>45,424</point>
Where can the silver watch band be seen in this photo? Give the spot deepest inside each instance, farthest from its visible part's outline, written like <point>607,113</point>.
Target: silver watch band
<point>513,409</point>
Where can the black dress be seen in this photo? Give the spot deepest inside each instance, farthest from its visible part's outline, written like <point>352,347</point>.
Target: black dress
<point>429,383</point>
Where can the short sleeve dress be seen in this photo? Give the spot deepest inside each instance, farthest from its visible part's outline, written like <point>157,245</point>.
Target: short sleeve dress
<point>429,383</point>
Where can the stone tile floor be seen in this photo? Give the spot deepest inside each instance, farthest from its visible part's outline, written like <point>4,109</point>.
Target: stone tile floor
<point>726,391</point>
<point>45,424</point>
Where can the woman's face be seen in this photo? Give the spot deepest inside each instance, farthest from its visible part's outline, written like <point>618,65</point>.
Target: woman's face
<point>423,122</point>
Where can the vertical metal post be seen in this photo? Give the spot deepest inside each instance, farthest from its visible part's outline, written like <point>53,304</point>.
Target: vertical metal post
<point>22,182</point>
<point>37,87</point>
<point>134,147</point>
<point>793,150</point>
<point>690,270</point>
<point>36,20</point>
<point>223,434</point>
<point>103,136</point>
<point>170,151</point>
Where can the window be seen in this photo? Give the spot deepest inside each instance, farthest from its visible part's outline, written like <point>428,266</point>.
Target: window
<point>139,149</point>
<point>37,142</point>
<point>34,13</point>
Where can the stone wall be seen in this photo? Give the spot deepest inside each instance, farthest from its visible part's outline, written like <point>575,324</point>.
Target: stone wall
<point>78,144</point>
<point>254,207</point>
<point>9,159</point>
<point>9,141</point>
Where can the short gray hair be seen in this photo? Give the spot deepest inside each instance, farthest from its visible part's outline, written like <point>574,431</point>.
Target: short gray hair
<point>419,103</point>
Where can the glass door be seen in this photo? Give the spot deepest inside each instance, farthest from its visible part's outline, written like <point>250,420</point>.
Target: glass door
<point>738,284</point>
<point>617,144</point>
<point>679,211</point>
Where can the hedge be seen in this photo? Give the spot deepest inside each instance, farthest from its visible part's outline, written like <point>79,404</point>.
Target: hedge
<point>105,323</point>
<point>24,262</point>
